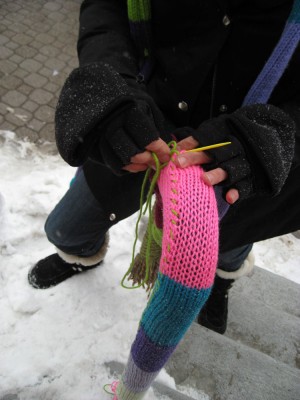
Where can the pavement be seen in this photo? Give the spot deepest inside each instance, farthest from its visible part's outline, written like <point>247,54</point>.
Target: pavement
<point>37,53</point>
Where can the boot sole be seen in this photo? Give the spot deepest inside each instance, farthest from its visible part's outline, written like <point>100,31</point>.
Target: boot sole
<point>37,284</point>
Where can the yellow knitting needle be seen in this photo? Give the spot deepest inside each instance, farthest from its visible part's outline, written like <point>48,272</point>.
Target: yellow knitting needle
<point>212,146</point>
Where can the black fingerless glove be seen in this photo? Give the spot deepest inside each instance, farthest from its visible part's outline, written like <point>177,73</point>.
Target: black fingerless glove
<point>125,135</point>
<point>100,116</point>
<point>260,156</point>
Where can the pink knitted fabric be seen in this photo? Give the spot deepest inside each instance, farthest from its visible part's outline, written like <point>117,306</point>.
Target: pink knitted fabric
<point>189,213</point>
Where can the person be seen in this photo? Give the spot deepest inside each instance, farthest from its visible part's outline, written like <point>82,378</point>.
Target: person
<point>198,81</point>
<point>198,72</point>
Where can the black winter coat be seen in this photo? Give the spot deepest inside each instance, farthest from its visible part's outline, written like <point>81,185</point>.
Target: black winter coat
<point>207,55</point>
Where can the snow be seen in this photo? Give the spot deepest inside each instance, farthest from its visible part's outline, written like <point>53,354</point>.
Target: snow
<point>280,255</point>
<point>55,343</point>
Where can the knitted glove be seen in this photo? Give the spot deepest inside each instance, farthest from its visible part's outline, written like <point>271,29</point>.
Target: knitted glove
<point>99,116</point>
<point>124,136</point>
<point>260,156</point>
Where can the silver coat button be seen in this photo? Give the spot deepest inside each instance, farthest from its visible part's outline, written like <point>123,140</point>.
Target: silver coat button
<point>183,106</point>
<point>223,108</point>
<point>112,217</point>
<point>226,21</point>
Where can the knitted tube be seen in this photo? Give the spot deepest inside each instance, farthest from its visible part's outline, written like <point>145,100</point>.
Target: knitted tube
<point>186,274</point>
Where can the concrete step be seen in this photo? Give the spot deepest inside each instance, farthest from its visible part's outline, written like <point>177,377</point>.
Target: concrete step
<point>264,314</point>
<point>258,359</point>
<point>269,289</point>
<point>10,397</point>
<point>228,370</point>
<point>297,234</point>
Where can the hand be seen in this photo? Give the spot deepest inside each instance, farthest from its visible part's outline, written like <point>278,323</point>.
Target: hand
<point>212,177</point>
<point>141,161</point>
<point>129,139</point>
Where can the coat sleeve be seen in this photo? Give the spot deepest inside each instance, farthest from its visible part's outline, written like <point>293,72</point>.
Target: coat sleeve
<point>267,134</point>
<point>264,146</point>
<point>292,108</point>
<point>104,36</point>
<point>104,87</point>
<point>261,218</point>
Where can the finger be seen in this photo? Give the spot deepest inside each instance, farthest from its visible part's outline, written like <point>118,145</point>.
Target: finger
<point>232,196</point>
<point>188,143</point>
<point>142,158</point>
<point>187,159</point>
<point>161,149</point>
<point>215,176</point>
<point>135,167</point>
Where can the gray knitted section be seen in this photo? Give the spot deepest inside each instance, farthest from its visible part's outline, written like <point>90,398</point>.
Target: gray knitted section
<point>124,393</point>
<point>126,390</point>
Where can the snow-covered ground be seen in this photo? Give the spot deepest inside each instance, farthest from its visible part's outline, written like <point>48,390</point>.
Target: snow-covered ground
<point>55,343</point>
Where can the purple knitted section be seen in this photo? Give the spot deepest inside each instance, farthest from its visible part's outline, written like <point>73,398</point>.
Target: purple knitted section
<point>262,88</point>
<point>141,34</point>
<point>146,69</point>
<point>148,356</point>
<point>222,204</point>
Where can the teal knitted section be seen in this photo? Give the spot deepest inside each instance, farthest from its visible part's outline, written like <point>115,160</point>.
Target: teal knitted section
<point>295,14</point>
<point>171,310</point>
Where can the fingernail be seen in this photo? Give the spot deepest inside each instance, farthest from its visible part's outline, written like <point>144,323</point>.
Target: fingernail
<point>208,178</point>
<point>182,161</point>
<point>229,199</point>
<point>234,198</point>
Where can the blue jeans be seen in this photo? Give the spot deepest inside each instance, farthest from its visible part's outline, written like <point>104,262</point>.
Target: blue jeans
<point>77,226</point>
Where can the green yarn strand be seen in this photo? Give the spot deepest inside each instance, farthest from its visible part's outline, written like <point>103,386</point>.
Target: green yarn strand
<point>153,230</point>
<point>157,235</point>
<point>139,10</point>
<point>136,231</point>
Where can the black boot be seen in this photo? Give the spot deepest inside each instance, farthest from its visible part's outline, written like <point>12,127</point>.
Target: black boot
<point>53,270</point>
<point>214,313</point>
